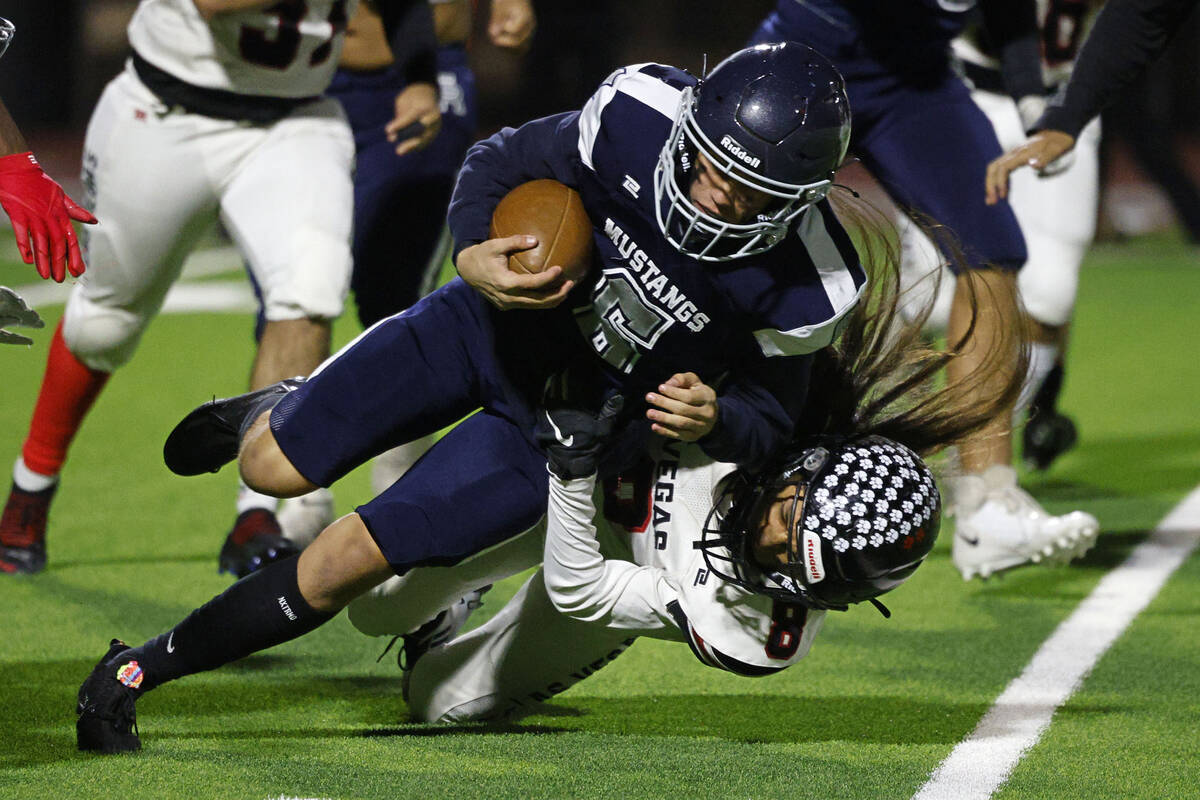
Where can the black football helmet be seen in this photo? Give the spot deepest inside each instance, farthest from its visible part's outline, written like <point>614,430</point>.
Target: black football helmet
<point>774,117</point>
<point>866,514</point>
<point>7,32</point>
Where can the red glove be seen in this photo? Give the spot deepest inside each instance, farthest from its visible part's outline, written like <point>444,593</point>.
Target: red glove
<point>40,209</point>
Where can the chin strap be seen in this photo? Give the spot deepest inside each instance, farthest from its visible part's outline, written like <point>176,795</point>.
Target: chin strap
<point>881,608</point>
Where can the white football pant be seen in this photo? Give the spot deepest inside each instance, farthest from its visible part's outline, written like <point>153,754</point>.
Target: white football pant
<point>157,178</point>
<point>504,669</point>
<point>1057,215</point>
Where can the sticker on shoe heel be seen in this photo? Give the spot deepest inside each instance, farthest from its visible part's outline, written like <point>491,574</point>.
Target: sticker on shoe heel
<point>131,675</point>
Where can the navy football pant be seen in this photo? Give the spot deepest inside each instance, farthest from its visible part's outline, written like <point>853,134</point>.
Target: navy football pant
<point>915,128</point>
<point>411,375</point>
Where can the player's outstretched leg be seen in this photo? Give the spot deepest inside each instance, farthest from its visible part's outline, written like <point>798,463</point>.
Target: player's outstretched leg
<point>276,604</point>
<point>1000,526</point>
<point>208,438</point>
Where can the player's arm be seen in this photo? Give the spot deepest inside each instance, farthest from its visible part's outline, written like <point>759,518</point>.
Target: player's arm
<point>40,211</point>
<point>1127,35</point>
<point>580,581</point>
<point>751,417</point>
<point>544,148</point>
<point>408,25</point>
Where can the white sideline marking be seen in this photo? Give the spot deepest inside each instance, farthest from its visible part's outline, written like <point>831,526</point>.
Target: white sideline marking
<point>984,760</point>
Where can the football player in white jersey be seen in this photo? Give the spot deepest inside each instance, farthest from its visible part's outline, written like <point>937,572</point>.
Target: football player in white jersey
<point>1057,214</point>
<point>741,565</point>
<point>217,115</point>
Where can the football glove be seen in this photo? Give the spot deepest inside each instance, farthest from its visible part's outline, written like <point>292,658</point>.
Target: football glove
<point>41,215</point>
<point>573,438</point>
<point>14,311</point>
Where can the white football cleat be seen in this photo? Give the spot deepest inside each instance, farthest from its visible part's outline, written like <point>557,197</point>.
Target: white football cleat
<point>1000,526</point>
<point>303,517</point>
<point>437,631</point>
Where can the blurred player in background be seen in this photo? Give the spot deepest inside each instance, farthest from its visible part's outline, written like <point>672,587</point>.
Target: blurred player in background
<point>1056,211</point>
<point>41,215</point>
<point>919,133</point>
<point>400,196</point>
<point>718,258</point>
<point>218,114</point>
<point>1127,36</point>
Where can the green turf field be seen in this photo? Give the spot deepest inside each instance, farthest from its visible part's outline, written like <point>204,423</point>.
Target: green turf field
<point>871,712</point>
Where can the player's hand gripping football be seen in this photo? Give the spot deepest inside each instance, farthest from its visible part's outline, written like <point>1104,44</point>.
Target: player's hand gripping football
<point>683,408</point>
<point>573,438</point>
<point>1041,151</point>
<point>485,267</point>
<point>418,118</point>
<point>41,215</point>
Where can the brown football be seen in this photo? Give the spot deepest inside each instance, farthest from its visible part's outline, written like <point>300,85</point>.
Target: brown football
<point>553,212</point>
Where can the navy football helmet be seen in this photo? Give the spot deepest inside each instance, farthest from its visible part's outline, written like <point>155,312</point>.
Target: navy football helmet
<point>865,515</point>
<point>775,118</point>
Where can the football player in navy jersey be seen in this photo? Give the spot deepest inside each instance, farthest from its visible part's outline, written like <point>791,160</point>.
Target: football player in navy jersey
<point>400,194</point>
<point>919,133</point>
<point>720,264</point>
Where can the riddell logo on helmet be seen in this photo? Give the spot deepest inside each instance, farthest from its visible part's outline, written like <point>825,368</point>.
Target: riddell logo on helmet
<point>739,152</point>
<point>813,564</point>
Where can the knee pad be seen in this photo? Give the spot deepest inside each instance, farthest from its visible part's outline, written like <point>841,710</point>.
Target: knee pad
<point>102,337</point>
<point>1048,284</point>
<point>313,283</point>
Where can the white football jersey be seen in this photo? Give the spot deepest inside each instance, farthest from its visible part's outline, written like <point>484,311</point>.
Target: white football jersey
<point>650,520</point>
<point>289,49</point>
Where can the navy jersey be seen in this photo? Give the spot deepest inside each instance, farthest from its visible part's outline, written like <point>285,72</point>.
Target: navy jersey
<point>648,311</point>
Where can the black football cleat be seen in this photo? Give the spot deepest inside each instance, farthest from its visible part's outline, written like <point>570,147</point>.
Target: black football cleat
<point>23,531</point>
<point>107,719</point>
<point>208,438</point>
<point>255,541</point>
<point>1047,436</point>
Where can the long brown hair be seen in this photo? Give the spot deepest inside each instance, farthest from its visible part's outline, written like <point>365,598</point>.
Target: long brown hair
<point>884,377</point>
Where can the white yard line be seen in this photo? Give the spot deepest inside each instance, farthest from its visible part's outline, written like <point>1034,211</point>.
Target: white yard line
<point>984,760</point>
<point>184,296</point>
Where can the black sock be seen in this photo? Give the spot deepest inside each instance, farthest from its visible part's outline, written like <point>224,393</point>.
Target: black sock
<point>1046,399</point>
<point>259,611</point>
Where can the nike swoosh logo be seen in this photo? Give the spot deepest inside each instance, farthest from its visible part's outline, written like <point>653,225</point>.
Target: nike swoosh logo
<point>170,647</point>
<point>565,441</point>
<point>974,542</point>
